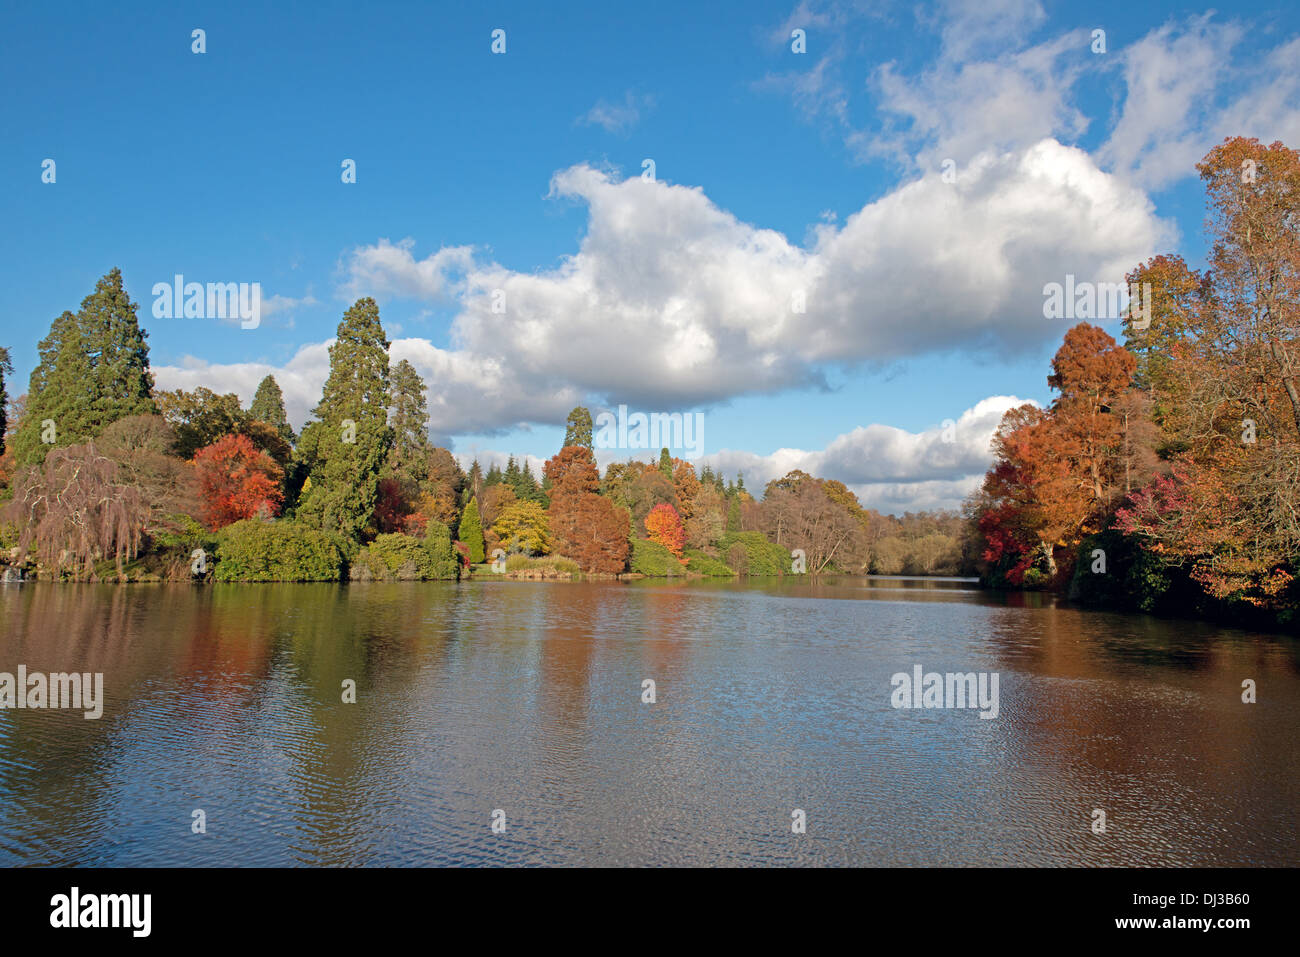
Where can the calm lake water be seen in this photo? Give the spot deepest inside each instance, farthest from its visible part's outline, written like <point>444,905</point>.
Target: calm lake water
<point>526,697</point>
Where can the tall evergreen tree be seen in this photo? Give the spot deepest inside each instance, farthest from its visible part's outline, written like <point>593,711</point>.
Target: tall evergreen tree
<point>347,444</point>
<point>123,384</point>
<point>494,476</point>
<point>577,428</point>
<point>410,423</point>
<point>666,463</point>
<point>57,411</point>
<point>474,483</point>
<point>529,490</point>
<point>93,370</point>
<point>471,532</point>
<point>268,407</point>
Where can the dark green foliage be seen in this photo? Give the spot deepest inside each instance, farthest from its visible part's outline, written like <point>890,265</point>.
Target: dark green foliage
<point>280,551</point>
<point>528,490</point>
<point>1134,578</point>
<point>93,370</point>
<point>666,463</point>
<point>521,481</point>
<point>410,422</point>
<point>268,407</point>
<point>123,384</point>
<point>733,516</point>
<point>347,445</point>
<point>654,560</point>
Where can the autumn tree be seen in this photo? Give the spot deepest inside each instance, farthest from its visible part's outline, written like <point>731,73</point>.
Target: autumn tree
<point>799,514</point>
<point>652,487</point>
<point>200,417</point>
<point>495,500</point>
<point>708,519</point>
<point>1169,315</point>
<point>1253,322</point>
<point>587,527</point>
<point>573,468</point>
<point>686,485</point>
<point>73,510</point>
<point>141,447</point>
<point>237,480</point>
<point>1007,510</point>
<point>393,510</point>
<point>664,525</point>
<point>591,530</point>
<point>1229,511</point>
<point>523,528</point>
<point>1058,474</point>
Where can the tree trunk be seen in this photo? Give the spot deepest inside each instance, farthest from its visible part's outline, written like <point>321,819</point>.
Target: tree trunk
<point>1051,559</point>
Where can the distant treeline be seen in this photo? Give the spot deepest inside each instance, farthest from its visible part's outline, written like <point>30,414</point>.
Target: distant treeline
<point>105,478</point>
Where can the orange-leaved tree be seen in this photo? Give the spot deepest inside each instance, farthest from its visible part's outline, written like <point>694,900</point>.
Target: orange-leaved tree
<point>237,480</point>
<point>588,527</point>
<point>664,525</point>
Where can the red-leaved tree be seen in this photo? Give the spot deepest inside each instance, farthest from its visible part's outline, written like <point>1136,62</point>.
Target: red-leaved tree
<point>237,480</point>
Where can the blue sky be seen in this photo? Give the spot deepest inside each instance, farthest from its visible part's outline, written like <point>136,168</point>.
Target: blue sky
<point>776,173</point>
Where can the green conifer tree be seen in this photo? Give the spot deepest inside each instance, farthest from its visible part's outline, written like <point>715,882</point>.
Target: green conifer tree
<point>410,423</point>
<point>347,444</point>
<point>268,407</point>
<point>93,370</point>
<point>577,428</point>
<point>471,531</point>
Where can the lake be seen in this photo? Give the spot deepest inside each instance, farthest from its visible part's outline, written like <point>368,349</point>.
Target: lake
<point>526,699</point>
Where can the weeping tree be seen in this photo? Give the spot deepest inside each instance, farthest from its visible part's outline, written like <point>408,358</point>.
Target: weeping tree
<point>74,510</point>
